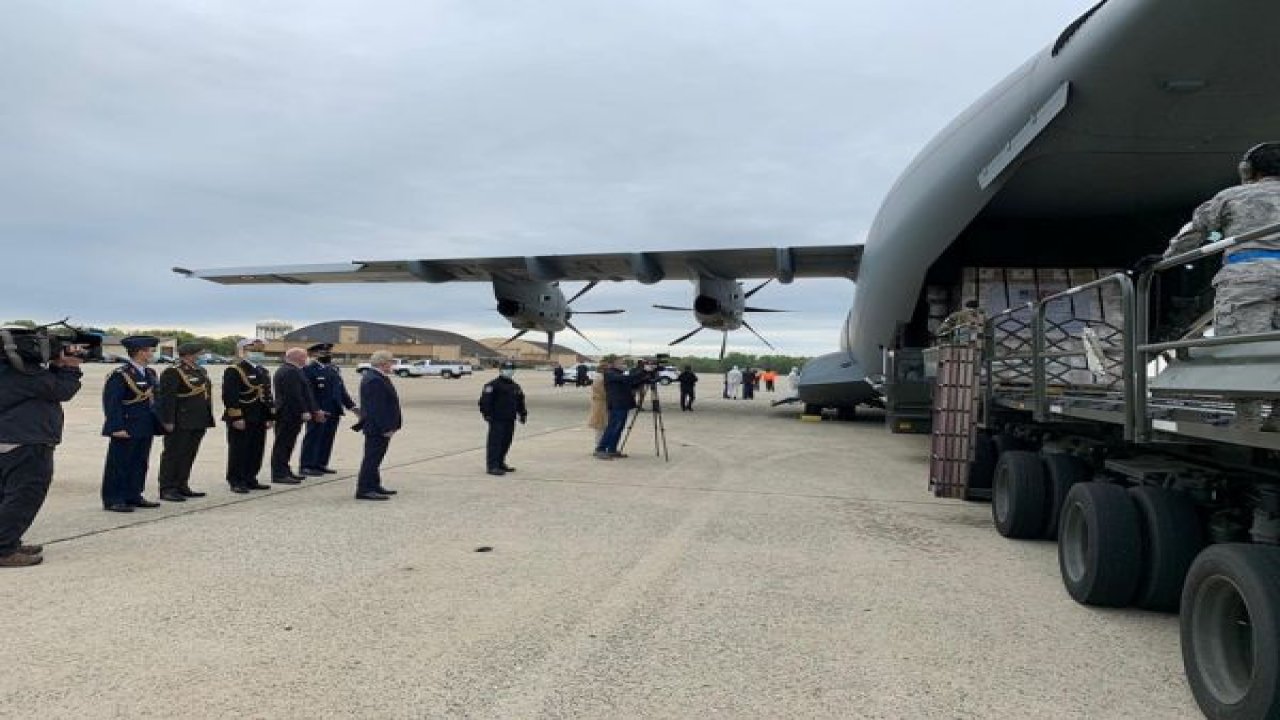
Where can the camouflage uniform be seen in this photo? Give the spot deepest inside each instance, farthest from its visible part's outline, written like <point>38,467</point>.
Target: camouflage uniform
<point>972,320</point>
<point>1247,287</point>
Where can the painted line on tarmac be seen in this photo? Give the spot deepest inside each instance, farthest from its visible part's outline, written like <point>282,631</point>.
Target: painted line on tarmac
<point>279,491</point>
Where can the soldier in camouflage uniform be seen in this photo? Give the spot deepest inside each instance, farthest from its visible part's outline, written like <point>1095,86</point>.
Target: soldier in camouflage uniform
<point>1248,286</point>
<point>970,319</point>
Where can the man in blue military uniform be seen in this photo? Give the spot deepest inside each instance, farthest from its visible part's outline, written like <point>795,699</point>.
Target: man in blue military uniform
<point>131,423</point>
<point>501,403</point>
<point>332,397</point>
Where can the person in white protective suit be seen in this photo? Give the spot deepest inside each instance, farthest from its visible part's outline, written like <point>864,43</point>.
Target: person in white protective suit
<point>733,382</point>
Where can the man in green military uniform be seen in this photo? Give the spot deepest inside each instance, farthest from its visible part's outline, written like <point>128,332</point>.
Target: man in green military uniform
<point>964,325</point>
<point>184,402</point>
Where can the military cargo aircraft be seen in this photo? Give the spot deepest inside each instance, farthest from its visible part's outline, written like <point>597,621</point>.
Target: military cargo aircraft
<point>1090,154</point>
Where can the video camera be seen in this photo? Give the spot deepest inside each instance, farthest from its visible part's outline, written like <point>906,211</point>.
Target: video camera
<point>649,368</point>
<point>29,349</point>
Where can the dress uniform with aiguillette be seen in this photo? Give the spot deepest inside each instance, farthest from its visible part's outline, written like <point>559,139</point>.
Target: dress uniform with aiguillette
<point>184,402</point>
<point>332,397</point>
<point>501,403</point>
<point>128,402</point>
<point>248,412</point>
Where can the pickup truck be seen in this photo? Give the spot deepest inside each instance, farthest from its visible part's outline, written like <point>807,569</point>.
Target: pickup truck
<point>425,368</point>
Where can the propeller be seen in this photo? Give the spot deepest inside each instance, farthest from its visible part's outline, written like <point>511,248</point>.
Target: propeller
<point>512,339</point>
<point>673,307</point>
<point>686,336</point>
<point>569,313</point>
<point>758,288</point>
<point>747,325</point>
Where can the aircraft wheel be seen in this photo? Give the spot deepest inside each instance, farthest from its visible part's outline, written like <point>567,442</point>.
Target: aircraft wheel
<point>1018,495</point>
<point>1100,545</point>
<point>1231,631</point>
<point>1173,537</point>
<point>1063,472</point>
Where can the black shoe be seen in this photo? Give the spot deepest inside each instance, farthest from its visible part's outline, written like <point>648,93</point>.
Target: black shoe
<point>144,503</point>
<point>328,471</point>
<point>173,496</point>
<point>239,489</point>
<point>371,496</point>
<point>189,493</point>
<point>119,507</point>
<point>288,480</point>
<point>296,476</point>
<point>384,491</point>
<point>311,472</point>
<point>497,471</point>
<point>258,486</point>
<point>508,468</point>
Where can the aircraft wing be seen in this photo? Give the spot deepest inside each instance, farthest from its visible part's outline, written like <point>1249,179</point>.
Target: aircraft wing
<point>783,263</point>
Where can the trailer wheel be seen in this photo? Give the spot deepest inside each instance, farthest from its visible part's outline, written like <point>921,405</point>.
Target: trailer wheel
<point>1018,495</point>
<point>1231,631</point>
<point>1172,538</point>
<point>1063,472</point>
<point>1100,545</point>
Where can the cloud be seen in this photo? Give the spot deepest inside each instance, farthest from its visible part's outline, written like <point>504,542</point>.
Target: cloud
<point>143,135</point>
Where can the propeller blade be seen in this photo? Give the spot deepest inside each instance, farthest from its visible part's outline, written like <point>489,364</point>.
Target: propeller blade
<point>724,342</point>
<point>753,332</point>
<point>584,337</point>
<point>756,309</point>
<point>583,291</point>
<point>513,338</point>
<point>682,338</point>
<point>551,341</point>
<point>597,312</point>
<point>673,307</point>
<point>758,288</point>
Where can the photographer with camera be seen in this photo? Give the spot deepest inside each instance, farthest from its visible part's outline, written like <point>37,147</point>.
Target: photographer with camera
<point>620,399</point>
<point>38,372</point>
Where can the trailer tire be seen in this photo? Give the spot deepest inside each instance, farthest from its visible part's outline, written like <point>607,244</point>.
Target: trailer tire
<point>1100,545</point>
<point>1171,539</point>
<point>1018,495</point>
<point>1234,672</point>
<point>1062,472</point>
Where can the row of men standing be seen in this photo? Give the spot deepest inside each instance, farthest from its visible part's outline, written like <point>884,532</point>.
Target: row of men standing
<point>139,405</point>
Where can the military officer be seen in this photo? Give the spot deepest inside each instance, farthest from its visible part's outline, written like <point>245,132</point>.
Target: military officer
<point>1247,299</point>
<point>128,403</point>
<point>184,402</point>
<point>332,397</point>
<point>501,403</point>
<point>248,413</point>
<point>963,326</point>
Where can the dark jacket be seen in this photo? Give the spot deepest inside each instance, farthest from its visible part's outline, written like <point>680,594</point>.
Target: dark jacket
<point>293,394</point>
<point>502,399</point>
<point>687,380</point>
<point>128,402</point>
<point>620,389</point>
<point>379,404</point>
<point>185,397</point>
<point>329,389</point>
<point>31,405</point>
<point>246,393</point>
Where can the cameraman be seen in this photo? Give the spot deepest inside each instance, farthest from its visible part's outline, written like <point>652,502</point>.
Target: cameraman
<point>32,391</point>
<point>620,400</point>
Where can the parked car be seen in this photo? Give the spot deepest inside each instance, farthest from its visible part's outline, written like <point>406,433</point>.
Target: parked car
<point>425,368</point>
<point>213,359</point>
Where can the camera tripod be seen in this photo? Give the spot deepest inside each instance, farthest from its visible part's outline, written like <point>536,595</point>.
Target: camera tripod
<point>659,428</point>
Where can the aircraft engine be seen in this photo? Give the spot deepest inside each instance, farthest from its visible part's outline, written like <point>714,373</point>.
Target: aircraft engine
<point>719,305</point>
<point>540,306</point>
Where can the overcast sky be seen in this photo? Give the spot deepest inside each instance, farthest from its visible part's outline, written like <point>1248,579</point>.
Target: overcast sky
<point>137,136</point>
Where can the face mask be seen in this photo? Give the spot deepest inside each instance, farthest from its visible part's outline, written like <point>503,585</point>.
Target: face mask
<point>324,359</point>
<point>255,356</point>
<point>508,373</point>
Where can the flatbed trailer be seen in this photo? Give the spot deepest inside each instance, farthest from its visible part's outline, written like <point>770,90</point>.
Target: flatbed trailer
<point>1124,451</point>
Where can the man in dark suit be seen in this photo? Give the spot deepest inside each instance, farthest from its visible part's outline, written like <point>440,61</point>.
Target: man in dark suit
<point>332,397</point>
<point>379,419</point>
<point>184,402</point>
<point>131,423</point>
<point>246,395</point>
<point>295,407</point>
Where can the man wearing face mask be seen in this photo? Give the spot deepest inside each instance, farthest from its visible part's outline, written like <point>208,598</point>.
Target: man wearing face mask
<point>332,397</point>
<point>249,413</point>
<point>501,403</point>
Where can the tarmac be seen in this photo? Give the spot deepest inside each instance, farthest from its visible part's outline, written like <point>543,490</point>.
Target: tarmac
<point>771,569</point>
